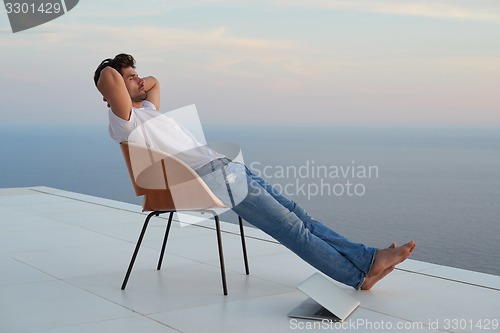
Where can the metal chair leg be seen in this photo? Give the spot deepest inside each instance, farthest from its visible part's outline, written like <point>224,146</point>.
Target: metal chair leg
<point>139,241</point>
<point>167,231</point>
<point>160,261</point>
<point>243,245</point>
<point>221,255</point>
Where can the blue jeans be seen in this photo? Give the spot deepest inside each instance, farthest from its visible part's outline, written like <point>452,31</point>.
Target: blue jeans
<point>259,203</point>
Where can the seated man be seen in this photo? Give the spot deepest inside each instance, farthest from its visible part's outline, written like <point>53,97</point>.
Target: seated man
<point>134,100</point>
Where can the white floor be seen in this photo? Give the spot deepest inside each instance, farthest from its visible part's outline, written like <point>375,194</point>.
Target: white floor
<point>63,256</point>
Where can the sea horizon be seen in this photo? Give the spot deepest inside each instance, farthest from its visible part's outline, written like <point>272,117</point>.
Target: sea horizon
<point>439,185</point>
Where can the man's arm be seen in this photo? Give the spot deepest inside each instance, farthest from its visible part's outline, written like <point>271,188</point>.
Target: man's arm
<point>152,87</point>
<point>114,91</point>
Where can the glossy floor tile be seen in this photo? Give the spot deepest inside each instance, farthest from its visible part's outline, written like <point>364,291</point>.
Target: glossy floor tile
<point>63,257</point>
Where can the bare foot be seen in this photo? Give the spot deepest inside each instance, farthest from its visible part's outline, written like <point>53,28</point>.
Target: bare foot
<point>390,257</point>
<point>371,280</point>
<point>385,262</point>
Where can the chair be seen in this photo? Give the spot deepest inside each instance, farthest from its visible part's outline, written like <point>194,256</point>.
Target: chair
<point>169,185</point>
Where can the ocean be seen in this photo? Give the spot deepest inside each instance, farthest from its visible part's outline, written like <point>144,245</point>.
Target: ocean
<point>439,186</point>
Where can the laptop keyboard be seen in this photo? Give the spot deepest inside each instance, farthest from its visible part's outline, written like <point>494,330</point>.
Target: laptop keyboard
<point>324,313</point>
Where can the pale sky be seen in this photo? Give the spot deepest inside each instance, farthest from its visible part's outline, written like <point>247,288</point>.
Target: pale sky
<point>432,62</point>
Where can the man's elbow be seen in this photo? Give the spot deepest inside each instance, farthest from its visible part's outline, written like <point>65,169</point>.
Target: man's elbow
<point>109,77</point>
<point>150,82</point>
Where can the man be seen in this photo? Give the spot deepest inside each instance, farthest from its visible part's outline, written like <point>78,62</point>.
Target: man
<point>133,101</point>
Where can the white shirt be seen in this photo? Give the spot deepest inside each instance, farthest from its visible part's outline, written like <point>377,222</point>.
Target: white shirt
<point>161,132</point>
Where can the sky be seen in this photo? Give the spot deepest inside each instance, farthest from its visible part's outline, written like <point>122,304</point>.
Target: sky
<point>300,62</point>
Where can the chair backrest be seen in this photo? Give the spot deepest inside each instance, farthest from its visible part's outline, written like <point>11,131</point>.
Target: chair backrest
<point>166,182</point>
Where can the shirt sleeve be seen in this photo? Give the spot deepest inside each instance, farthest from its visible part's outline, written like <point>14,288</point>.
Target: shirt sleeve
<point>120,129</point>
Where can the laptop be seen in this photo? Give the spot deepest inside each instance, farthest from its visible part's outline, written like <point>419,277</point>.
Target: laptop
<point>326,300</point>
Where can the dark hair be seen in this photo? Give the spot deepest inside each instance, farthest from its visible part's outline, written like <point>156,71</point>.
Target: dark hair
<point>120,61</point>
